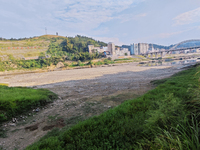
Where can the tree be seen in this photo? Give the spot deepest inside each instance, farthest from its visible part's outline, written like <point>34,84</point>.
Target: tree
<point>42,55</point>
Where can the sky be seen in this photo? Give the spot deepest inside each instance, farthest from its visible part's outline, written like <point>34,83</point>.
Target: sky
<point>162,22</point>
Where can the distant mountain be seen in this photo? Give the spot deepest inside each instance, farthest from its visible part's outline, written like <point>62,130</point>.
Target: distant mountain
<point>160,46</point>
<point>184,45</point>
<point>189,44</point>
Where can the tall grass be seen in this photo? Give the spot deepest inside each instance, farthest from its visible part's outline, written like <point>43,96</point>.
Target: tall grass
<point>17,100</point>
<point>160,119</point>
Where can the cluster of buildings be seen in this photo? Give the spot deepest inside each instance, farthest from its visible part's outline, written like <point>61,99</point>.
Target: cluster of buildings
<point>134,49</point>
<point>110,51</point>
<point>141,48</point>
<point>124,50</point>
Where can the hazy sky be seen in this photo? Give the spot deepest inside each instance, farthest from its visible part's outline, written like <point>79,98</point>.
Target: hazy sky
<point>162,22</point>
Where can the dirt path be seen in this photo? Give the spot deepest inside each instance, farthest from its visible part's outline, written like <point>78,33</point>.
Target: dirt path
<point>82,93</point>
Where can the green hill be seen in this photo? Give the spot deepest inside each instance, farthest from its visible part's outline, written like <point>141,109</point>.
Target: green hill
<point>32,47</point>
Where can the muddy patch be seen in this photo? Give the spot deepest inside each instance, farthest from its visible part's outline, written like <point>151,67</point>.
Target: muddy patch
<point>59,124</point>
<point>32,127</point>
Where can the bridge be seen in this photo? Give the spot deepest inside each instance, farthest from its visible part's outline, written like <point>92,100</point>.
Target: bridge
<point>174,48</point>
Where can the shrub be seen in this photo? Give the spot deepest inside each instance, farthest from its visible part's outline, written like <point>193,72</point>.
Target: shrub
<point>79,63</point>
<point>109,58</point>
<point>66,64</point>
<point>90,62</point>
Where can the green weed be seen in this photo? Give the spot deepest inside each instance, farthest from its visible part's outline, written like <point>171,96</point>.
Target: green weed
<point>17,100</point>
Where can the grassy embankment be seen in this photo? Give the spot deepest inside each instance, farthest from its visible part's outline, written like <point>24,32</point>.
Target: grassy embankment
<point>164,118</point>
<point>27,47</point>
<point>18,100</point>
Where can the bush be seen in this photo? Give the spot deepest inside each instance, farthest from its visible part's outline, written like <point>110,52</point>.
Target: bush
<point>90,62</point>
<point>98,63</point>
<point>66,64</point>
<point>79,63</point>
<point>109,58</point>
<point>106,61</point>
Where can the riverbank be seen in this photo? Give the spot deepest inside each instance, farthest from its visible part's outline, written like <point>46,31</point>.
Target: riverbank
<point>34,79</point>
<point>163,118</point>
<point>82,93</point>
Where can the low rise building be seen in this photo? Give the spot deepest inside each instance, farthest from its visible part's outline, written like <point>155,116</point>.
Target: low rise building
<point>110,51</point>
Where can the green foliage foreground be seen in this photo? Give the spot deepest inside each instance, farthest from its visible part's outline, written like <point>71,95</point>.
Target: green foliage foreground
<point>164,118</point>
<point>17,100</point>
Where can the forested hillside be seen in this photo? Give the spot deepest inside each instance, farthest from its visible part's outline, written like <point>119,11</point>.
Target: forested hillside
<point>44,51</point>
<point>75,48</point>
<point>55,45</point>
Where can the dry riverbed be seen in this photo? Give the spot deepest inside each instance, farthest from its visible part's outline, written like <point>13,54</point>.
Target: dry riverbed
<point>82,93</point>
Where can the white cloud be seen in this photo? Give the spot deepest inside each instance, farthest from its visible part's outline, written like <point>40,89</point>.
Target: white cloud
<point>75,16</point>
<point>167,35</point>
<point>164,35</point>
<point>88,15</point>
<point>129,17</point>
<point>109,39</point>
<point>188,17</point>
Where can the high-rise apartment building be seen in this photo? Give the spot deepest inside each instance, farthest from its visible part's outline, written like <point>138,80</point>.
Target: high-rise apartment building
<point>111,48</point>
<point>136,50</point>
<point>143,48</point>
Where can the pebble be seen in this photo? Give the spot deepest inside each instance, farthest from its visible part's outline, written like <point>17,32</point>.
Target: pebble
<point>14,120</point>
<point>29,114</point>
<point>37,110</point>
<point>12,124</point>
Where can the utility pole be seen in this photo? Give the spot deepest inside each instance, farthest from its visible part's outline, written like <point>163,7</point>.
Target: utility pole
<point>45,30</point>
